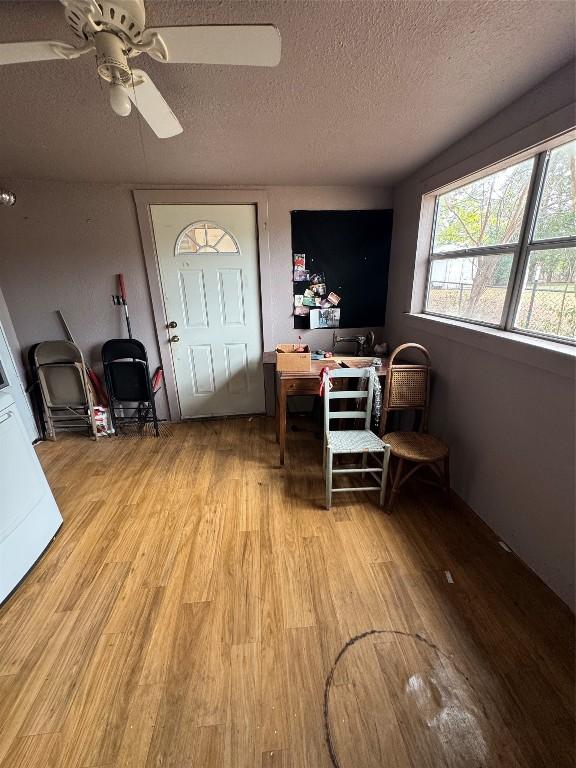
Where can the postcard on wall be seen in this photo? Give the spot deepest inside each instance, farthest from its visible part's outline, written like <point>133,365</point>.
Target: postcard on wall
<point>298,299</point>
<point>333,298</point>
<point>301,311</point>
<point>309,293</point>
<point>319,289</point>
<point>301,275</point>
<point>299,261</point>
<point>308,301</point>
<point>318,278</point>
<point>325,318</point>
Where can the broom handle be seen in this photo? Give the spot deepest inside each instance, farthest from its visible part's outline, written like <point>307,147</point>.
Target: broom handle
<point>65,324</point>
<point>124,302</point>
<point>122,287</point>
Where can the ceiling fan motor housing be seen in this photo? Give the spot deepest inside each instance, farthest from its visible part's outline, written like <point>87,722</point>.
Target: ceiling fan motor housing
<point>88,17</point>
<point>111,58</point>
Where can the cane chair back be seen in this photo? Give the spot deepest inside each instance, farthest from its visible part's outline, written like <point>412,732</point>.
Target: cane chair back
<point>407,386</point>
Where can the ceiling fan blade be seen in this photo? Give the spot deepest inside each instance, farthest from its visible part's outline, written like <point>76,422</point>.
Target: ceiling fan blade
<point>38,50</point>
<point>150,103</point>
<point>256,45</point>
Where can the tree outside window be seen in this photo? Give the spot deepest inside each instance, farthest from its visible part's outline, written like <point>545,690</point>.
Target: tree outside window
<point>504,248</point>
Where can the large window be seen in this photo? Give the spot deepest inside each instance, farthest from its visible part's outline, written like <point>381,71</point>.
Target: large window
<point>503,249</point>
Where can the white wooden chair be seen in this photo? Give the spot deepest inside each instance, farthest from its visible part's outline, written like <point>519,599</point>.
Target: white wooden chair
<point>352,441</point>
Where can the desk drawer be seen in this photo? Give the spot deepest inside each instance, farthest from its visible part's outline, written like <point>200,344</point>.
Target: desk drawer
<point>302,387</point>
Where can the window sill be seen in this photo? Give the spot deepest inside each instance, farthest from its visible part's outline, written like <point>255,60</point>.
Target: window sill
<point>552,356</point>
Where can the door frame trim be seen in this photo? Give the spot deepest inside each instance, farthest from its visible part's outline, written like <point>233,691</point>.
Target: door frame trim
<point>143,199</point>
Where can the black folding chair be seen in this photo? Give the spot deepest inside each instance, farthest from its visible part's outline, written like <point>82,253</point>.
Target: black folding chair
<point>128,383</point>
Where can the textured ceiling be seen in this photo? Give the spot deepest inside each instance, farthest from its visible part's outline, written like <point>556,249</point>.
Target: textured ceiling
<point>365,92</point>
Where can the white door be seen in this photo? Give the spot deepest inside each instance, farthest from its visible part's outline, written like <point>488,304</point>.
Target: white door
<point>208,260</point>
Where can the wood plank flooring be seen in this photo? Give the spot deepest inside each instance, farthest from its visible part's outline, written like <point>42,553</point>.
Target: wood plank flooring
<point>196,599</point>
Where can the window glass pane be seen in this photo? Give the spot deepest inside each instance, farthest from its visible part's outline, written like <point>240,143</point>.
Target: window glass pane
<point>227,245</point>
<point>199,234</point>
<point>556,213</point>
<point>548,300</point>
<point>214,234</point>
<point>487,212</point>
<point>203,237</point>
<point>473,288</point>
<point>187,245</point>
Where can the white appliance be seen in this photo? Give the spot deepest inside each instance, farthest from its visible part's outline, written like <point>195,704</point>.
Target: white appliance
<point>29,517</point>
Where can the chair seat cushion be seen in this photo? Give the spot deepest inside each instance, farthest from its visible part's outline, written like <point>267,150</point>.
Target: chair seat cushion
<point>416,446</point>
<point>354,440</point>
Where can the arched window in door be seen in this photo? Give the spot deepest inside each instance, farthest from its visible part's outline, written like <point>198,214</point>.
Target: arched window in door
<point>205,237</point>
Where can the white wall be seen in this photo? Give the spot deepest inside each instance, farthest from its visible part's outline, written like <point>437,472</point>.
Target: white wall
<point>506,409</point>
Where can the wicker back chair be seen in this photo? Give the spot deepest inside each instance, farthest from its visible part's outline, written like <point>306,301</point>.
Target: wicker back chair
<point>407,388</point>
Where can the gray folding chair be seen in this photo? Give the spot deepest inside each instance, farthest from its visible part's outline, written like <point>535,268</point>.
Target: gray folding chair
<point>65,388</point>
<point>353,441</point>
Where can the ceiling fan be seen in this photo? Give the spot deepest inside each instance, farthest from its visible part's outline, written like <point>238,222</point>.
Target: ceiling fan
<point>116,30</point>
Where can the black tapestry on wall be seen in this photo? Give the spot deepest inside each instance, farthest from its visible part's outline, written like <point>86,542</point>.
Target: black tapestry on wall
<point>340,262</point>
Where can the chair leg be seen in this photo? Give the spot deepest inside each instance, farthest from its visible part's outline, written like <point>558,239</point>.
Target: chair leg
<point>385,461</point>
<point>447,474</point>
<point>154,417</point>
<point>328,474</point>
<point>396,483</point>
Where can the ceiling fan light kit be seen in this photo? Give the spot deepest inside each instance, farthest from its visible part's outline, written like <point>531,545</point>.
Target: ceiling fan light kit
<point>117,32</point>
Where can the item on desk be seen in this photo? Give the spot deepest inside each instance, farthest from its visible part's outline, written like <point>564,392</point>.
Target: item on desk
<point>288,359</point>
<point>325,318</point>
<point>301,311</point>
<point>298,299</point>
<point>363,344</point>
<point>317,355</point>
<point>317,278</point>
<point>377,362</point>
<point>333,298</point>
<point>301,275</point>
<point>328,354</point>
<point>299,261</point>
<point>381,349</point>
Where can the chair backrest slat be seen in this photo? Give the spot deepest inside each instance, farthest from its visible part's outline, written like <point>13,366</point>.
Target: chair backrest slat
<point>347,414</point>
<point>337,395</point>
<point>365,413</point>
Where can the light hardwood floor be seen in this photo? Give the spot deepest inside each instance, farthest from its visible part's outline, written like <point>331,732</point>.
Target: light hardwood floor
<point>197,596</point>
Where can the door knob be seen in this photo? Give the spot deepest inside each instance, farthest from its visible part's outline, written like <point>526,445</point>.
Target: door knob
<point>174,338</point>
<point>173,324</point>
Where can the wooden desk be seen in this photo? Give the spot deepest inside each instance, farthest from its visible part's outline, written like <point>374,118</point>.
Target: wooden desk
<point>304,383</point>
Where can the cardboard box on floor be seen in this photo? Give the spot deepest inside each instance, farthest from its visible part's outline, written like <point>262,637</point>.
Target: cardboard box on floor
<point>287,359</point>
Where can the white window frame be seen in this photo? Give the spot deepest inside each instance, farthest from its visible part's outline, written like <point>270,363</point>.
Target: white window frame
<point>520,250</point>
